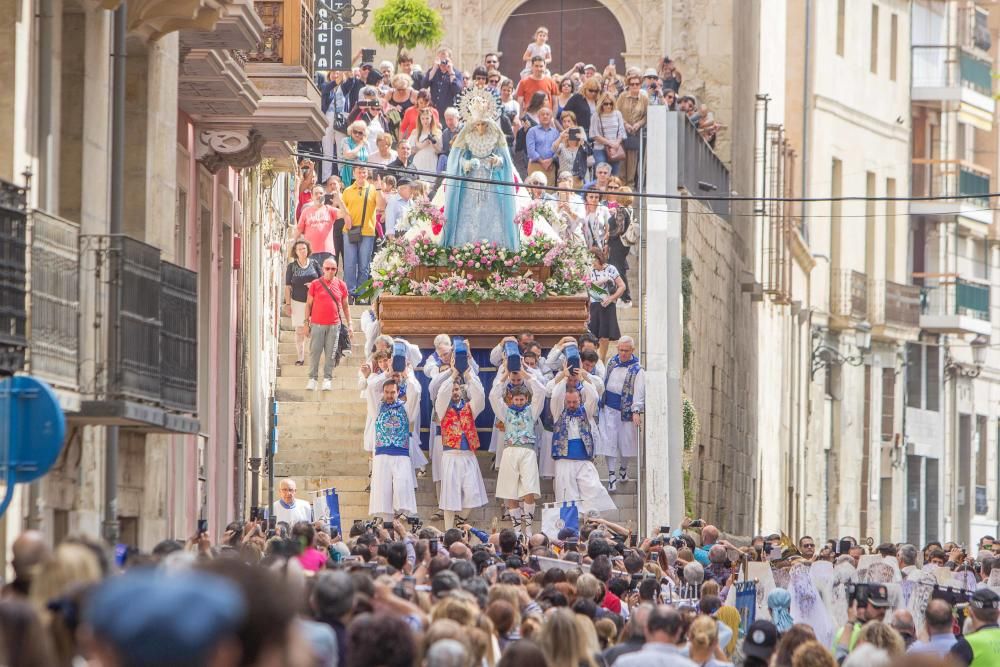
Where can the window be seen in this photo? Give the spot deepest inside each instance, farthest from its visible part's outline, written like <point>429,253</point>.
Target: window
<point>872,226</point>
<point>890,229</point>
<point>840,26</point>
<point>888,404</point>
<point>873,66</point>
<point>982,457</point>
<point>893,45</point>
<point>923,374</point>
<point>836,187</point>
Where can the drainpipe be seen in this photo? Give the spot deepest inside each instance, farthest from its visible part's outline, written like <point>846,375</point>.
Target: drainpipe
<point>110,525</point>
<point>45,149</point>
<point>806,92</point>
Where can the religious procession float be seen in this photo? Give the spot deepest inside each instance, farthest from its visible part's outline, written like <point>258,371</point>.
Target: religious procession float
<point>489,261</point>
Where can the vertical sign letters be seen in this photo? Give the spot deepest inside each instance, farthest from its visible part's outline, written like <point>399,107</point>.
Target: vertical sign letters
<point>333,40</point>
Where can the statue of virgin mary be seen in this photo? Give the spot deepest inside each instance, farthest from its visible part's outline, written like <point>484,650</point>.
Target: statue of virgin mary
<point>480,211</point>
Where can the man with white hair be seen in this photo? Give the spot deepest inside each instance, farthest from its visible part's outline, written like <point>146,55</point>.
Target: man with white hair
<point>622,405</point>
<point>694,576</point>
<point>446,653</point>
<point>289,509</point>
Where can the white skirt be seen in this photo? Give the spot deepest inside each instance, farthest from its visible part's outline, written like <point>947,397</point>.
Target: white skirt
<point>617,438</point>
<point>435,453</point>
<point>518,476</point>
<point>546,464</point>
<point>579,481</point>
<point>461,481</point>
<point>392,485</point>
<point>298,313</point>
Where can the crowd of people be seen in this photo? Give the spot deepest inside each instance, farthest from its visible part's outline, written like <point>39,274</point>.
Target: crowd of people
<point>391,127</point>
<point>296,593</point>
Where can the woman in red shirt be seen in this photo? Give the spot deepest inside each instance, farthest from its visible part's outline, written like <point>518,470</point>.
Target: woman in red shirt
<point>316,221</point>
<point>305,180</point>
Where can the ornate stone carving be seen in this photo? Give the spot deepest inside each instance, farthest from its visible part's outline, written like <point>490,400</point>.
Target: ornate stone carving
<point>238,149</point>
<point>152,19</point>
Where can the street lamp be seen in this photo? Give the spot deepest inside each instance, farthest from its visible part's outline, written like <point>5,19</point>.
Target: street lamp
<point>824,356</point>
<point>980,344</point>
<point>345,13</point>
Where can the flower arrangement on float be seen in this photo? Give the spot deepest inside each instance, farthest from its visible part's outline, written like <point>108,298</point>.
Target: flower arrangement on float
<point>414,264</point>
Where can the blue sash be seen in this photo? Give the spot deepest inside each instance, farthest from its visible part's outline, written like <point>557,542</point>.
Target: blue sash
<point>613,400</point>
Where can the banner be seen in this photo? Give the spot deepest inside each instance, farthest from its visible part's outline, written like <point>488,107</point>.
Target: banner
<point>746,604</point>
<point>326,508</point>
<point>556,516</point>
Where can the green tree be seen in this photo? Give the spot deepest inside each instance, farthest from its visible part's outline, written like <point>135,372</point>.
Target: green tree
<point>407,23</point>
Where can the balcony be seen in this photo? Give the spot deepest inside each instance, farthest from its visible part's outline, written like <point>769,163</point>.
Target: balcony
<point>55,301</point>
<point>950,304</point>
<point>848,298</point>
<point>894,310</point>
<point>13,278</point>
<point>953,74</point>
<point>151,322</point>
<point>281,67</point>
<point>951,178</point>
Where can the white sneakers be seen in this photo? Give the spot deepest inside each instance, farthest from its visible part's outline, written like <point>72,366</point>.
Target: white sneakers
<point>311,385</point>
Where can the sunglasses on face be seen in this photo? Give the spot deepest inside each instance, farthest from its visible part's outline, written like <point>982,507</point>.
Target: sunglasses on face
<point>607,104</point>
<point>479,78</point>
<point>494,80</point>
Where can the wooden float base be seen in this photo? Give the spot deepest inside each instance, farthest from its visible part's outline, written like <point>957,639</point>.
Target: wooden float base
<point>419,319</point>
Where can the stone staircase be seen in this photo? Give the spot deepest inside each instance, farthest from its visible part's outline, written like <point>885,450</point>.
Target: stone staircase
<point>320,434</point>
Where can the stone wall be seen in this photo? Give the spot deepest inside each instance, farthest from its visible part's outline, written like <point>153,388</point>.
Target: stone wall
<point>721,378</point>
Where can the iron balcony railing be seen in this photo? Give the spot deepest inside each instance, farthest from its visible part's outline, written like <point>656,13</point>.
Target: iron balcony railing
<point>902,304</point>
<point>700,171</point>
<point>13,278</point>
<point>849,294</point>
<point>956,296</point>
<point>55,300</point>
<point>179,337</point>
<point>949,66</point>
<point>150,323</point>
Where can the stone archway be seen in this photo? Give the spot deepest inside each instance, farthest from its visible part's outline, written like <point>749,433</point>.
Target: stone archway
<point>626,13</point>
<point>579,31</point>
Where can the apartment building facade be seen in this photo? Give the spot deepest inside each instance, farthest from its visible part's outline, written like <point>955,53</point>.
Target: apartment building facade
<point>212,90</point>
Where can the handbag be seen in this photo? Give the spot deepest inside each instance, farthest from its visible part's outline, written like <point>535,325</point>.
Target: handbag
<point>630,237</point>
<point>343,342</point>
<point>631,142</point>
<point>614,153</point>
<point>354,233</point>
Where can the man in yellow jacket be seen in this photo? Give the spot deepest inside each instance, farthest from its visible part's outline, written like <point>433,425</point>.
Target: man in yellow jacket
<point>360,199</point>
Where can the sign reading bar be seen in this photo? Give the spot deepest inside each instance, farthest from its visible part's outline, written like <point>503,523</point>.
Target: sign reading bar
<point>333,40</point>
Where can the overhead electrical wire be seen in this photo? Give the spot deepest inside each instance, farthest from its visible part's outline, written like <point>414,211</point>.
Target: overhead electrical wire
<point>636,194</point>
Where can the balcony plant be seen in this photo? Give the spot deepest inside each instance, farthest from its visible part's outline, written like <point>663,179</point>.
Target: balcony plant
<point>406,24</point>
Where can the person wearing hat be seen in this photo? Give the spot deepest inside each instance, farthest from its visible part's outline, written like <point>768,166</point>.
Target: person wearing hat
<point>759,644</point>
<point>150,619</point>
<point>871,606</point>
<point>981,647</point>
<point>398,204</point>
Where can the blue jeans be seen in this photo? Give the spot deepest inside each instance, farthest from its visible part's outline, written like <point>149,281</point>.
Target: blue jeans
<point>601,155</point>
<point>357,262</point>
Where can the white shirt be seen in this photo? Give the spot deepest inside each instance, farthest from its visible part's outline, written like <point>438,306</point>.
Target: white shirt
<point>300,510</point>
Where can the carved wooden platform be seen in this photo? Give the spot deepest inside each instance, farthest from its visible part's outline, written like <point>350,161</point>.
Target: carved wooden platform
<point>419,319</point>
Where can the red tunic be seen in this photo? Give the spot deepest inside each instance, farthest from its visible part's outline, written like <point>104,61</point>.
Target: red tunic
<point>457,423</point>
